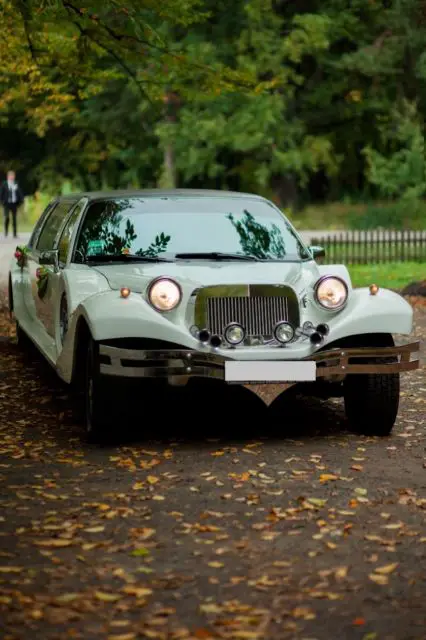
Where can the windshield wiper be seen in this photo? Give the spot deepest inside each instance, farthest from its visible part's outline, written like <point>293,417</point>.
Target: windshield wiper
<point>123,257</point>
<point>215,255</point>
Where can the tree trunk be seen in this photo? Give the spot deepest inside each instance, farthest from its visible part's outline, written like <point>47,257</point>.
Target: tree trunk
<point>286,189</point>
<point>169,178</point>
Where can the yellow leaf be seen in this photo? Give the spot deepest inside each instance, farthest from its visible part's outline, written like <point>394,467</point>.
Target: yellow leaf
<point>317,501</point>
<point>94,529</point>
<point>158,497</point>
<point>325,477</point>
<point>304,612</point>
<point>67,597</point>
<point>137,486</point>
<point>218,453</point>
<point>107,597</point>
<point>341,572</point>
<point>36,614</point>
<point>210,608</point>
<point>387,568</point>
<point>152,479</point>
<point>139,592</point>
<point>53,542</point>
<point>122,636</point>
<point>396,525</point>
<point>360,491</point>
<point>378,579</point>
<point>215,564</point>
<point>10,569</point>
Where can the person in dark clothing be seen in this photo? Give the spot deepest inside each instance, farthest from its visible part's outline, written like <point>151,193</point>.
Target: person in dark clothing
<point>11,197</point>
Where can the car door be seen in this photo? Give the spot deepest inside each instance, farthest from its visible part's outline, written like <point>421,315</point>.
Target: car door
<point>44,271</point>
<point>26,279</point>
<point>63,246</point>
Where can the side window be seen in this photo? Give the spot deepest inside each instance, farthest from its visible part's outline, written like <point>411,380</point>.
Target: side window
<point>40,222</point>
<point>65,239</point>
<point>50,230</point>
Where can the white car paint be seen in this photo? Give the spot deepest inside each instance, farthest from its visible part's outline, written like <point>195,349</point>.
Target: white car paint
<point>93,294</point>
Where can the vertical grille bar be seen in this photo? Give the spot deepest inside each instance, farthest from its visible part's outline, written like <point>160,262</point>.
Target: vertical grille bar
<point>258,315</point>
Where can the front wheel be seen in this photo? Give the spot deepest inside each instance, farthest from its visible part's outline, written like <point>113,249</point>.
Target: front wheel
<point>372,402</point>
<point>22,340</point>
<point>99,421</point>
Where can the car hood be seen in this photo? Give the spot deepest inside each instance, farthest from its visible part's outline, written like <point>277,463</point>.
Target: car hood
<point>137,276</point>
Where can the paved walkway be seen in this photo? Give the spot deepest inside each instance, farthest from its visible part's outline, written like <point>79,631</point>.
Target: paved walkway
<point>7,249</point>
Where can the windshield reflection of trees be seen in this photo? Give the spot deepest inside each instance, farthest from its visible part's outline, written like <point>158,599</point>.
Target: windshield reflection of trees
<point>258,241</point>
<point>104,225</point>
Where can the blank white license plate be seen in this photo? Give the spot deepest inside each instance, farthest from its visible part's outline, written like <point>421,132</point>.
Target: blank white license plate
<point>262,372</point>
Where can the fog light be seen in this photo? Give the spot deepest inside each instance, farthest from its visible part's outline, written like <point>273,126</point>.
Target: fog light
<point>316,337</point>
<point>323,329</point>
<point>283,332</point>
<point>215,341</point>
<point>204,335</point>
<point>234,333</point>
<point>124,292</point>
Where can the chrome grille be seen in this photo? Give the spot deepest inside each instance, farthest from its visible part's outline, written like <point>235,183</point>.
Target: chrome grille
<point>257,314</point>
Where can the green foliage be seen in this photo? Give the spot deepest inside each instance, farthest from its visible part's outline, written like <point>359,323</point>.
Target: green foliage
<point>401,214</point>
<point>300,102</point>
<point>401,171</point>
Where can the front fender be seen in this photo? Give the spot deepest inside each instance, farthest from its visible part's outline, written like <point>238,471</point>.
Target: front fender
<point>338,270</point>
<point>110,316</point>
<point>385,312</point>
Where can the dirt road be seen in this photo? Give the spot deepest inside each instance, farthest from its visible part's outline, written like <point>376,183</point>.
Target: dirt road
<point>254,528</point>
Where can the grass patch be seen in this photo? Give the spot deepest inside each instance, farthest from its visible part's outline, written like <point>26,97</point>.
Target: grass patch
<point>338,216</point>
<point>395,275</point>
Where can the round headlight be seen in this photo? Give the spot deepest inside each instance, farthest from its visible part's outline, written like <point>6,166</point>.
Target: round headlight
<point>331,293</point>
<point>234,333</point>
<point>164,294</point>
<point>283,332</point>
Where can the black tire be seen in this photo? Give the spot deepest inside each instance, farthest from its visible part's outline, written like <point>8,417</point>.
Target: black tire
<point>372,402</point>
<point>22,340</point>
<point>98,417</point>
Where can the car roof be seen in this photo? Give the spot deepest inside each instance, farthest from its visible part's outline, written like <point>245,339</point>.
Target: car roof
<point>159,193</point>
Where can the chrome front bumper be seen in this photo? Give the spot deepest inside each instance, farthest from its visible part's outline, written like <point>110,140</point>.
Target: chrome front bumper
<point>185,363</point>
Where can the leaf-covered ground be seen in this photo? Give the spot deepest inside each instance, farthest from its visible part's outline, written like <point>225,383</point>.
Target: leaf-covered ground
<point>253,527</point>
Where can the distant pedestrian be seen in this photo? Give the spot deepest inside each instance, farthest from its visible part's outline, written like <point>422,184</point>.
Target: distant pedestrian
<point>11,197</point>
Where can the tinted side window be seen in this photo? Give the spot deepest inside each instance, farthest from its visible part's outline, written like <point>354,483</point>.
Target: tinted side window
<point>52,226</point>
<point>65,239</point>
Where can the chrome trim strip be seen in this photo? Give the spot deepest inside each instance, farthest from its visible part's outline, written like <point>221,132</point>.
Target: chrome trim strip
<point>184,362</point>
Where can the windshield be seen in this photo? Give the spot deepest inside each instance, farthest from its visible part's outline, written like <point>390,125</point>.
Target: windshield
<point>164,227</point>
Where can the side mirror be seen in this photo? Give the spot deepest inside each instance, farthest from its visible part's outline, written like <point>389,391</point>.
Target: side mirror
<point>317,252</point>
<point>50,258</point>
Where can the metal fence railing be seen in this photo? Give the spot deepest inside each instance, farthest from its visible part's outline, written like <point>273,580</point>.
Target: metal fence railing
<point>373,247</point>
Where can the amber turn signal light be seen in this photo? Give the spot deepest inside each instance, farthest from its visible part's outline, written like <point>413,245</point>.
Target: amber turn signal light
<point>124,292</point>
<point>373,289</point>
